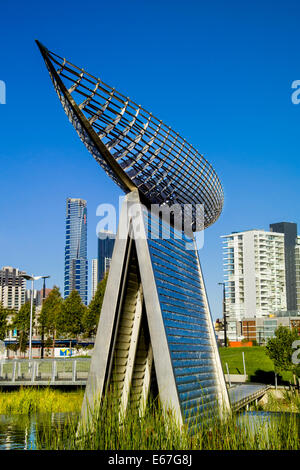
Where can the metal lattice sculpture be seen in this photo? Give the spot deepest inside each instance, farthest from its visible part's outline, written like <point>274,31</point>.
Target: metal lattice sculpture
<point>136,149</point>
<point>155,330</point>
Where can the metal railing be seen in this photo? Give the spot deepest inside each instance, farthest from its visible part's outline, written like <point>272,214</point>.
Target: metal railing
<point>71,371</point>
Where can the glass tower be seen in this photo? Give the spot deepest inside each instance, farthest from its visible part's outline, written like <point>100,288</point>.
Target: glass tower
<point>76,264</point>
<point>106,241</point>
<point>289,229</point>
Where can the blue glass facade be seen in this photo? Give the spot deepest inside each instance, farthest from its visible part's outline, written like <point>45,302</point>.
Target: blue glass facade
<point>181,295</point>
<point>106,243</point>
<point>76,264</point>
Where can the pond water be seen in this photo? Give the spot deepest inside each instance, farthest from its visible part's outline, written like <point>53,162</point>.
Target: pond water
<point>262,419</point>
<point>20,431</point>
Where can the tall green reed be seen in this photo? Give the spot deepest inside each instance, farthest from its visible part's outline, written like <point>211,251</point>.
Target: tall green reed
<point>157,429</point>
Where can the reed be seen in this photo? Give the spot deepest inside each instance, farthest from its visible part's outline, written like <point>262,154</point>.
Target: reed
<point>285,401</point>
<point>157,430</point>
<point>33,400</point>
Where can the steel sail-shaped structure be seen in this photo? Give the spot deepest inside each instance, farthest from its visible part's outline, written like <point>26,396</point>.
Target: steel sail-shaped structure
<point>134,147</point>
<point>155,332</point>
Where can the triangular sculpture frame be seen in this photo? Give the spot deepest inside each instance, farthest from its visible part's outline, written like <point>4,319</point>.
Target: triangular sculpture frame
<point>135,335</point>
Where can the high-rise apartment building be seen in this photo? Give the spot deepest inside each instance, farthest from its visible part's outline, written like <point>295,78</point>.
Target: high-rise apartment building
<point>297,268</point>
<point>94,276</point>
<point>37,298</point>
<point>291,247</point>
<point>76,264</point>
<point>106,241</point>
<point>255,275</point>
<point>12,288</point>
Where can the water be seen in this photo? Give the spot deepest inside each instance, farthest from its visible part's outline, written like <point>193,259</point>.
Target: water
<point>20,431</point>
<point>256,419</point>
<point>264,423</point>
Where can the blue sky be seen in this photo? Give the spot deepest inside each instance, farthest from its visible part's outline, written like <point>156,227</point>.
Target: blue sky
<point>218,72</point>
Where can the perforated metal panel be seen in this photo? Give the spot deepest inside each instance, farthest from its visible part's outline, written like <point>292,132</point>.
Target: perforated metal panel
<point>177,275</point>
<point>155,313</point>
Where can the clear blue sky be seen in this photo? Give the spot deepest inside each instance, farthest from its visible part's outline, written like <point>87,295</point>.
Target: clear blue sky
<point>219,72</point>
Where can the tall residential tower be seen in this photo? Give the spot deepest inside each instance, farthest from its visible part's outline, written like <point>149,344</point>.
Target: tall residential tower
<point>94,277</point>
<point>106,241</point>
<point>12,288</point>
<point>262,271</point>
<point>254,270</point>
<point>76,264</point>
<point>291,259</point>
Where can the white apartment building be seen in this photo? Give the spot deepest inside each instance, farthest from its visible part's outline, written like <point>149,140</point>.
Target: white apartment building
<point>254,271</point>
<point>297,266</point>
<point>107,263</point>
<point>12,288</point>
<point>37,297</point>
<point>94,276</point>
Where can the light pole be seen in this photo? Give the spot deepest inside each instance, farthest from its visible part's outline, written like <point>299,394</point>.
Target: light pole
<point>42,333</point>
<point>32,279</point>
<point>224,313</point>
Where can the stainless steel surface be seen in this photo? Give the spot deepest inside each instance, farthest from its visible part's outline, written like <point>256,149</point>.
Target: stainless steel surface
<point>136,149</point>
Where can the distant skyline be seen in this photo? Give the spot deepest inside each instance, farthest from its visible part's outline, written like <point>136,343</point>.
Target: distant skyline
<point>220,73</point>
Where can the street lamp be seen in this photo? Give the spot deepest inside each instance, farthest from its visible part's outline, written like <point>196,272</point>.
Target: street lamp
<point>224,313</point>
<point>32,279</point>
<point>44,296</point>
<point>44,286</point>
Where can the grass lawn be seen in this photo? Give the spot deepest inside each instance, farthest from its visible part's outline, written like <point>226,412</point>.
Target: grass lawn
<point>259,367</point>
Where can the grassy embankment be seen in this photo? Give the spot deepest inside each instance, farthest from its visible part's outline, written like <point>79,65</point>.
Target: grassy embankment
<point>280,401</point>
<point>259,366</point>
<point>33,400</point>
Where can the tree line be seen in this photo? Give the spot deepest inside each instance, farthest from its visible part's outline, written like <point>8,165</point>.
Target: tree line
<point>281,349</point>
<point>59,318</point>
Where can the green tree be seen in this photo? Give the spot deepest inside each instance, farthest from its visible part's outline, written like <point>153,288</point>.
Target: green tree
<point>71,319</point>
<point>50,316</point>
<point>92,314</point>
<point>279,349</point>
<point>21,323</point>
<point>3,321</point>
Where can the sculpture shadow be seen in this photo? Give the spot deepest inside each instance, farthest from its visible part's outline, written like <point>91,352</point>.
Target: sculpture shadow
<point>267,377</point>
